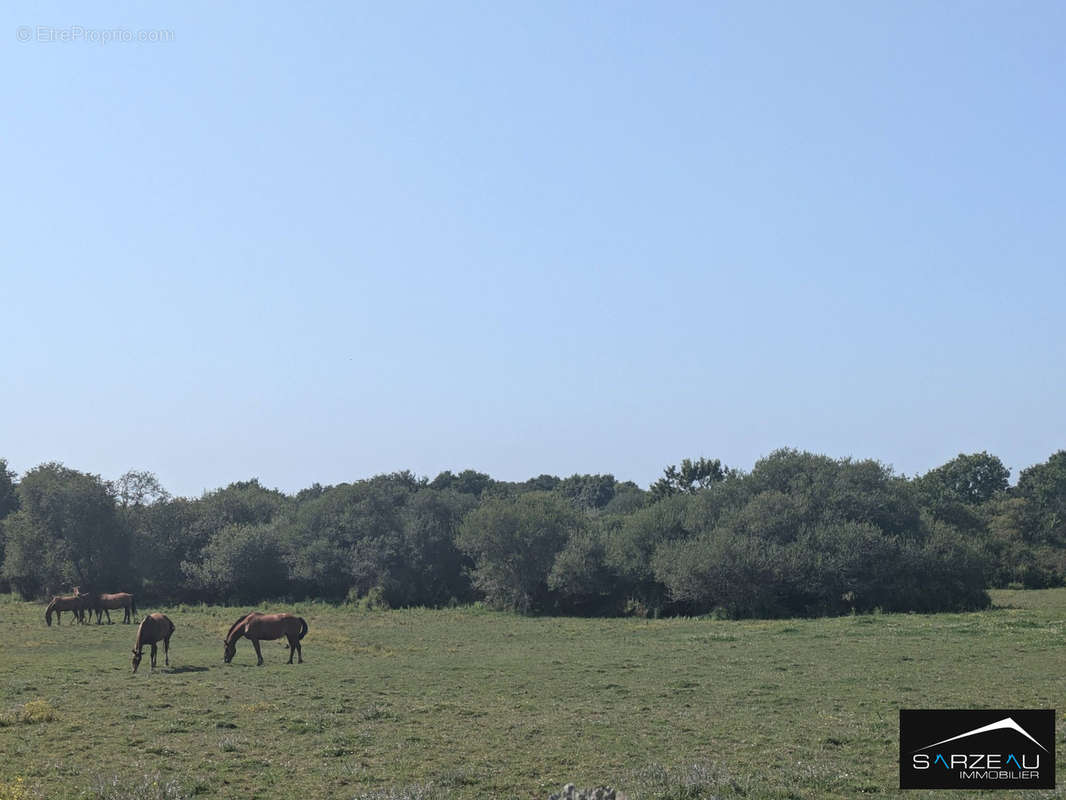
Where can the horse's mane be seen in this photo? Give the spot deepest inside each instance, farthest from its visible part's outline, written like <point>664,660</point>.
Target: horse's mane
<point>236,625</point>
<point>140,632</point>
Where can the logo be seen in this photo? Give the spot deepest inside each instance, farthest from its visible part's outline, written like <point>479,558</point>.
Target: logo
<point>1010,749</point>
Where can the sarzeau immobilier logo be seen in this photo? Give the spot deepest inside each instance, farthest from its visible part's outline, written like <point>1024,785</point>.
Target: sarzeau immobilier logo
<point>997,749</point>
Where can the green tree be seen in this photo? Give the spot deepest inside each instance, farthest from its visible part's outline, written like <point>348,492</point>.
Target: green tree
<point>466,482</point>
<point>33,565</point>
<point>971,479</point>
<point>376,531</point>
<point>1043,486</point>
<point>628,497</point>
<point>65,533</point>
<point>772,516</point>
<point>691,476</point>
<point>513,543</point>
<point>390,533</point>
<point>433,570</point>
<point>632,544</point>
<point>246,503</point>
<point>840,490</point>
<point>542,483</point>
<point>138,488</point>
<point>9,502</point>
<point>161,538</point>
<point>580,574</point>
<point>241,563</point>
<point>411,557</point>
<point>953,492</point>
<point>9,499</point>
<point>588,492</point>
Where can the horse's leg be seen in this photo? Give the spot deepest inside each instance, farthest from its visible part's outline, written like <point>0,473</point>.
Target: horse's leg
<point>166,651</point>
<point>299,652</point>
<point>59,618</point>
<point>258,653</point>
<point>106,611</point>
<point>127,617</point>
<point>155,649</point>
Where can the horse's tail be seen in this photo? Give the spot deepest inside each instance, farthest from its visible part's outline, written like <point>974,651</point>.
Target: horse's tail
<point>48,614</point>
<point>303,628</point>
<point>133,606</point>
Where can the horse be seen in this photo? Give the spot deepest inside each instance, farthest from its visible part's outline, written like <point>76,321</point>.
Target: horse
<point>75,603</point>
<point>255,626</point>
<point>154,628</point>
<point>102,602</point>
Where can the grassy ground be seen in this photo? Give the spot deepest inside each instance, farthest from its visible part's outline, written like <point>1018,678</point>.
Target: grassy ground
<point>469,703</point>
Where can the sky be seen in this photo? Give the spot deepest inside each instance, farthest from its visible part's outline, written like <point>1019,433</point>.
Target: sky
<point>315,243</point>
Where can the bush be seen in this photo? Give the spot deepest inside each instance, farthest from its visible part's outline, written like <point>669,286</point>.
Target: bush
<point>836,568</point>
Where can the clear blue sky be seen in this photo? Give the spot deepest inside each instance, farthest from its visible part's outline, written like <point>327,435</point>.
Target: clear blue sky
<point>319,242</point>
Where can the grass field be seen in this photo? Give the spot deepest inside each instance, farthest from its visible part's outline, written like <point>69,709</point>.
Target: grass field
<point>470,703</point>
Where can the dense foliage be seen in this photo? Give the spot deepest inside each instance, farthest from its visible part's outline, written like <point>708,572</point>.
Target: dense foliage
<point>799,535</point>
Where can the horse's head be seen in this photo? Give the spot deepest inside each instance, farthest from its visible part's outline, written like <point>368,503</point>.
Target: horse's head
<point>136,660</point>
<point>230,650</point>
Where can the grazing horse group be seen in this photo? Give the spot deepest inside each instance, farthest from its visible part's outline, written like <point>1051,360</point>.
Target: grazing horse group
<point>82,606</point>
<point>155,628</point>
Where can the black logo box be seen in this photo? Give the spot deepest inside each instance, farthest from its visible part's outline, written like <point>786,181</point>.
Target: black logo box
<point>923,735</point>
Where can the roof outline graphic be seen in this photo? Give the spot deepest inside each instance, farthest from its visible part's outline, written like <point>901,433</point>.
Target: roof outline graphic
<point>1007,723</point>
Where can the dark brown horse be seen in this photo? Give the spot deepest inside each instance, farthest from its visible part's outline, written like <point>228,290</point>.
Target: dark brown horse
<point>256,626</point>
<point>154,628</point>
<point>75,603</point>
<point>100,603</point>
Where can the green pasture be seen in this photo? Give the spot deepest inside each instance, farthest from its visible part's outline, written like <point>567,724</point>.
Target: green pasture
<point>470,703</point>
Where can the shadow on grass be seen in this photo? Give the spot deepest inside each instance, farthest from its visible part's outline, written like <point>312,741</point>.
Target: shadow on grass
<point>187,669</point>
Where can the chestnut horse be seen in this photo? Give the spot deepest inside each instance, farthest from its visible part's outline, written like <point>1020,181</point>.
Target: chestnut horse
<point>255,626</point>
<point>154,628</point>
<point>100,603</point>
<point>74,603</point>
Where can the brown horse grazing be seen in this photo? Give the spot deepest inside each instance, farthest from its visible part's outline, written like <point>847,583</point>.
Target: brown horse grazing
<point>255,626</point>
<point>100,603</point>
<point>154,628</point>
<point>75,603</point>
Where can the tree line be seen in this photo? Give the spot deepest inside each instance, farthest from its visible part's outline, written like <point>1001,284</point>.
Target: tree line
<point>800,534</point>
